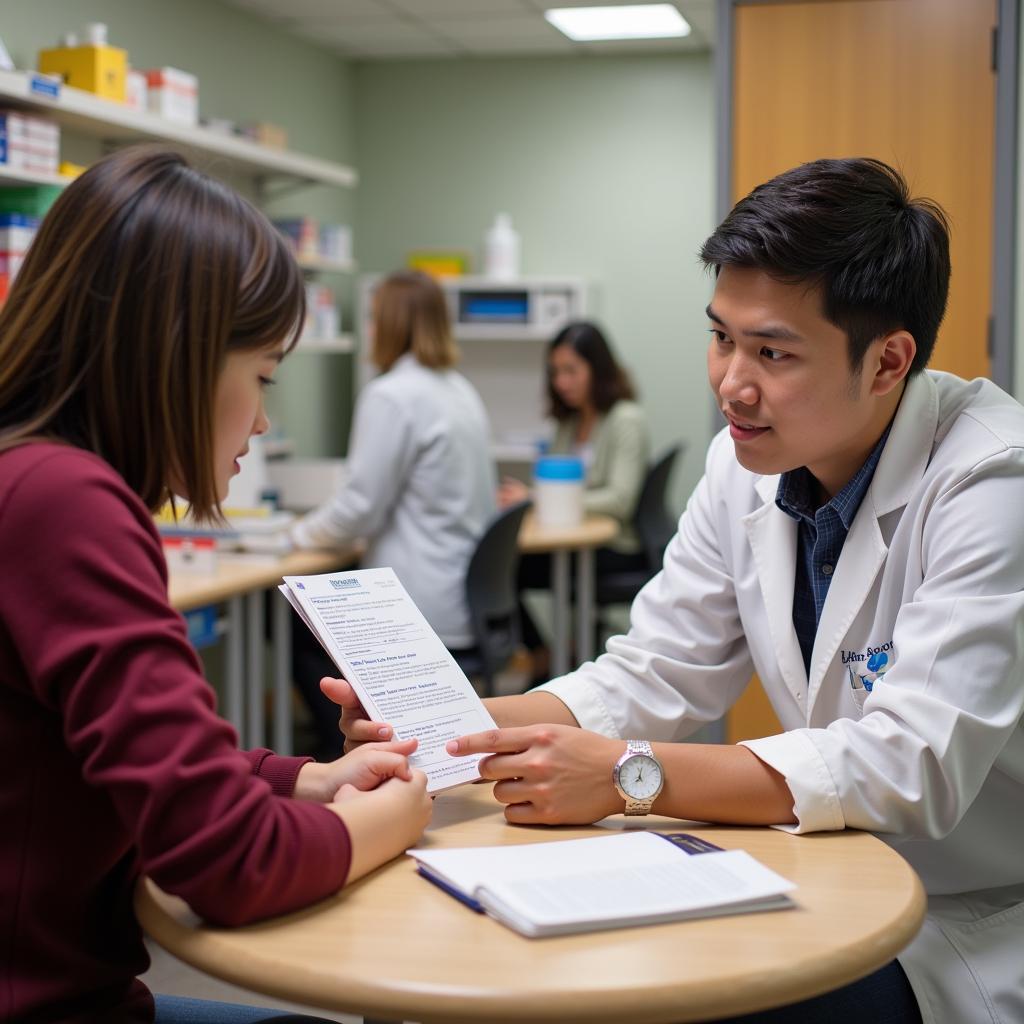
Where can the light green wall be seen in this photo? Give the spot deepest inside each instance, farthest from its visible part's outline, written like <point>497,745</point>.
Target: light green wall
<point>248,70</point>
<point>606,165</point>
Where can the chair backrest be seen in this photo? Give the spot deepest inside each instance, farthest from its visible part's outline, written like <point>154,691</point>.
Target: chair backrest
<point>653,522</point>
<point>491,591</point>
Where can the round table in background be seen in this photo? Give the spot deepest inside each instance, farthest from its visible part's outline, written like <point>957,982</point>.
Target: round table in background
<point>593,532</point>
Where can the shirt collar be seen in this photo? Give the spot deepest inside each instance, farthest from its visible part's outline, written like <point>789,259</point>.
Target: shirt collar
<point>796,491</point>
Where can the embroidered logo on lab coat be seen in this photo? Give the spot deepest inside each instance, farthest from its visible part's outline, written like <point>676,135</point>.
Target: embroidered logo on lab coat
<point>869,666</point>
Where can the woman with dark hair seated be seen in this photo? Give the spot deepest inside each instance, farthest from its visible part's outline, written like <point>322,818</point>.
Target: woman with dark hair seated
<point>592,400</point>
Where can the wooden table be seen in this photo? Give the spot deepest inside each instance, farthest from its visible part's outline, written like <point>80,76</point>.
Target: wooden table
<point>394,946</point>
<point>240,581</point>
<point>594,531</point>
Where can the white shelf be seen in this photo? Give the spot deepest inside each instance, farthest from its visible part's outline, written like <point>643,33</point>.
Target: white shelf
<point>12,176</point>
<point>324,265</point>
<point>505,331</point>
<point>83,112</point>
<point>342,343</point>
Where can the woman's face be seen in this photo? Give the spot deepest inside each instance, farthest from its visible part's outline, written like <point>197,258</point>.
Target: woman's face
<point>238,408</point>
<point>570,376</point>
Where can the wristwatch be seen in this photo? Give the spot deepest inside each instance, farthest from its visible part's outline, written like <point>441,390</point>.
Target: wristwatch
<point>638,777</point>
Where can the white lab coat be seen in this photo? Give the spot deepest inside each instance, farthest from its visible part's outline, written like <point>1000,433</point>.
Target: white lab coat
<point>931,755</point>
<point>421,488</point>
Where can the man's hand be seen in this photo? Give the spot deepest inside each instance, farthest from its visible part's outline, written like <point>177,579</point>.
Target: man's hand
<point>361,770</point>
<point>548,774</point>
<point>354,724</point>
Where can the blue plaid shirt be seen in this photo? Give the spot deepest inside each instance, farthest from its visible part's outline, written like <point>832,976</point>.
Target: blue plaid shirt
<point>821,533</point>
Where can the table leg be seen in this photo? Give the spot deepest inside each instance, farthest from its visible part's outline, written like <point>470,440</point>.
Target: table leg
<point>256,727</point>
<point>560,612</point>
<point>235,669</point>
<point>282,633</point>
<point>584,605</point>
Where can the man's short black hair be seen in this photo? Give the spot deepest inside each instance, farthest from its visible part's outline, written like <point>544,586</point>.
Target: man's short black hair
<point>851,228</point>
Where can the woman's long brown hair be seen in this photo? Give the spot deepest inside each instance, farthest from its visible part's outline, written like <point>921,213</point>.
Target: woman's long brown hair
<point>143,276</point>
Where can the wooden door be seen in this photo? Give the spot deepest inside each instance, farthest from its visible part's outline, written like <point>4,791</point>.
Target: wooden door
<point>907,81</point>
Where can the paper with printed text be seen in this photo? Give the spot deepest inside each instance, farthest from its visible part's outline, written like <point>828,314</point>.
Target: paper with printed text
<point>396,663</point>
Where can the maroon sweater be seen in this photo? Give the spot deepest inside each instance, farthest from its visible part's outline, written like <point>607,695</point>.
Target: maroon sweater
<point>112,759</point>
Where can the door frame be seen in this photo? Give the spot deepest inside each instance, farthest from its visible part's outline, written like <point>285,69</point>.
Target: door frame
<point>1002,321</point>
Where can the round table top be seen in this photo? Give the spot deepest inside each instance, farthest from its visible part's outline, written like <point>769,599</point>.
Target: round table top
<point>394,946</point>
<point>594,531</point>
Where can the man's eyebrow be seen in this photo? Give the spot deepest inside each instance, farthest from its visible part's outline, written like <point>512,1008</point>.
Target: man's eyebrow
<point>776,332</point>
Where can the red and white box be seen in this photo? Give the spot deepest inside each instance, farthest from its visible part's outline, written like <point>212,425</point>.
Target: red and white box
<point>173,94</point>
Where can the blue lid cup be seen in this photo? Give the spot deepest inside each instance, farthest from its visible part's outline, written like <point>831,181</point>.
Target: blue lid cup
<point>568,468</point>
<point>558,491</point>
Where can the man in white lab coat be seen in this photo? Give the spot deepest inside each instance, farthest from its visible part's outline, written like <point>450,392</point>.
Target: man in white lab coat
<point>856,540</point>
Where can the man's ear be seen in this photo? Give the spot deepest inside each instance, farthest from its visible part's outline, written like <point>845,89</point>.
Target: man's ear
<point>891,358</point>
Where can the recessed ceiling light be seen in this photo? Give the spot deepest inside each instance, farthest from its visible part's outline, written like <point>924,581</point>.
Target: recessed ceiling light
<point>636,21</point>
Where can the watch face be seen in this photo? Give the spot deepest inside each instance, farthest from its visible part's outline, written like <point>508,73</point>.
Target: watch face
<point>640,776</point>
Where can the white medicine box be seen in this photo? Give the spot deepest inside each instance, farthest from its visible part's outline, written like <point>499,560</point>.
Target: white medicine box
<point>173,94</point>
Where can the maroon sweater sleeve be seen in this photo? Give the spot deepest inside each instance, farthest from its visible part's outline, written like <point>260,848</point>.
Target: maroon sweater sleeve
<point>85,602</point>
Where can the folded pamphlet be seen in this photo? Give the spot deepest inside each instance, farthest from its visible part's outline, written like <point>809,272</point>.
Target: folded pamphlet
<point>619,881</point>
<point>399,667</point>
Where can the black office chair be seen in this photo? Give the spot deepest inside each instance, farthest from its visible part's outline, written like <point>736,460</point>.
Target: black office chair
<point>654,526</point>
<point>492,598</point>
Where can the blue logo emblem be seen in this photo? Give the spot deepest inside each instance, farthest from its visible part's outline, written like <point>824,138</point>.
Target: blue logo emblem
<point>869,666</point>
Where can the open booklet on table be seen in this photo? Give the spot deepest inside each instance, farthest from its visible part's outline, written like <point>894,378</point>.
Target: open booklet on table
<point>583,885</point>
<point>396,663</point>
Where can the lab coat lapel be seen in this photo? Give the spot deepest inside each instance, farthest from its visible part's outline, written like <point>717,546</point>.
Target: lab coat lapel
<point>772,537</point>
<point>899,470</point>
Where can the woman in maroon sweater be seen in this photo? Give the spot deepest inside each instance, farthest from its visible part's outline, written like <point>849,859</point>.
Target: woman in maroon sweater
<point>151,313</point>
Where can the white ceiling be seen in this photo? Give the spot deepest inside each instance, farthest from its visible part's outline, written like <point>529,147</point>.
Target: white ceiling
<point>379,29</point>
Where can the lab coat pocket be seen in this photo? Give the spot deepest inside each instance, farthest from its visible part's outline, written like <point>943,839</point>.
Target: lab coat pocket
<point>991,947</point>
<point>858,690</point>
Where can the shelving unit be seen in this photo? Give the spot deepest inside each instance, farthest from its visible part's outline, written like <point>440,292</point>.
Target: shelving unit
<point>503,328</point>
<point>9,176</point>
<point>272,171</point>
<point>342,343</point>
<point>91,115</point>
<point>321,265</point>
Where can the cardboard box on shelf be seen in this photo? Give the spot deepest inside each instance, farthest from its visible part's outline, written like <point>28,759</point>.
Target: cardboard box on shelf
<point>29,143</point>
<point>98,69</point>
<point>173,94</point>
<point>266,133</point>
<point>136,91</point>
<point>16,234</point>
<point>31,200</point>
<point>303,233</point>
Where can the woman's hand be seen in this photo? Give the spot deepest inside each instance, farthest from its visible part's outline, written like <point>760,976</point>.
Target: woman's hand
<point>548,774</point>
<point>354,725</point>
<point>511,492</point>
<point>361,770</point>
<point>385,821</point>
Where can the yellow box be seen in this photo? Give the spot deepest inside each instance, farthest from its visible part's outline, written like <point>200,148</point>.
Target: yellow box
<point>97,69</point>
<point>440,263</point>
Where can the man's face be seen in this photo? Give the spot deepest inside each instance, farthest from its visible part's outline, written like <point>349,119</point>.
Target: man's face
<point>781,374</point>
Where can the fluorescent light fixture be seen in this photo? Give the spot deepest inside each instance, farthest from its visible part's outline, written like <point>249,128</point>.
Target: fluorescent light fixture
<point>634,21</point>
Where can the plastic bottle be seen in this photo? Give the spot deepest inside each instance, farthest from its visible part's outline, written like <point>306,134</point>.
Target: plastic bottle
<point>96,33</point>
<point>501,250</point>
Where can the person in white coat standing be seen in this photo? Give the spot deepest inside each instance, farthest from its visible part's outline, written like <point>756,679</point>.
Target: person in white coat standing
<point>856,541</point>
<point>421,482</point>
